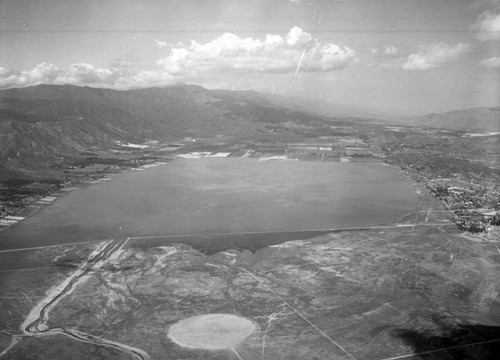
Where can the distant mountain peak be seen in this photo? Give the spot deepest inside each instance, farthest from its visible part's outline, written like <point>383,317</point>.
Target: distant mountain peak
<point>474,119</point>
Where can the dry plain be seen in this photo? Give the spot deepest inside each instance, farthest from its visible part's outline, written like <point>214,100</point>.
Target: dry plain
<point>420,293</point>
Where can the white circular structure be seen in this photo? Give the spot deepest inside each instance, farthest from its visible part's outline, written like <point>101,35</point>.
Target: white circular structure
<point>211,331</point>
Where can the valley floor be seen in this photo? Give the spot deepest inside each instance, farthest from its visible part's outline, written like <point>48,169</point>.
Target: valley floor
<point>418,289</point>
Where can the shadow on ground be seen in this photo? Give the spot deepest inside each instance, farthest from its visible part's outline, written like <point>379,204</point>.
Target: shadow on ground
<point>472,342</point>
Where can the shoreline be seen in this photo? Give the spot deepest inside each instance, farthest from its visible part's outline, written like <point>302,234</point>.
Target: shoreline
<point>401,219</point>
<point>194,239</point>
<point>40,204</point>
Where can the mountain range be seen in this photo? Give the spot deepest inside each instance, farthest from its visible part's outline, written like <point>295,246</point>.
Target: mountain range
<point>54,120</point>
<point>476,119</point>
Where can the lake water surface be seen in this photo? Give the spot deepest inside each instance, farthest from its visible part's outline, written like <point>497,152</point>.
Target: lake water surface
<point>211,196</point>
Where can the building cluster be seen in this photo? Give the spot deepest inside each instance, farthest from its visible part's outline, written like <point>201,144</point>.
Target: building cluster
<point>336,147</point>
<point>476,207</point>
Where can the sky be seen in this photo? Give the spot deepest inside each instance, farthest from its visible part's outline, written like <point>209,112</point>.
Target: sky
<point>392,56</point>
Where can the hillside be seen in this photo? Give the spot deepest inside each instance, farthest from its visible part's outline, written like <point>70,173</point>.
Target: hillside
<point>53,120</point>
<point>476,119</point>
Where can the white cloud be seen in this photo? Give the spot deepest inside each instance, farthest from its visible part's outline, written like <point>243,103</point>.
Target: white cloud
<point>161,44</point>
<point>83,74</point>
<point>491,63</point>
<point>41,73</point>
<point>488,26</point>
<point>86,74</point>
<point>294,53</point>
<point>391,51</point>
<point>435,55</point>
<point>297,36</point>
<point>274,54</point>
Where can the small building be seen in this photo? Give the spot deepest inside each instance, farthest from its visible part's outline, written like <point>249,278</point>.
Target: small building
<point>311,146</point>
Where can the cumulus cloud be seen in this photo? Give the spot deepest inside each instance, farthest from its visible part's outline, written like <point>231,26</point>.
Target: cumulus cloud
<point>161,44</point>
<point>434,55</point>
<point>87,74</point>
<point>391,51</point>
<point>41,73</point>
<point>84,74</point>
<point>274,54</point>
<point>491,63</point>
<point>488,26</point>
<point>293,53</point>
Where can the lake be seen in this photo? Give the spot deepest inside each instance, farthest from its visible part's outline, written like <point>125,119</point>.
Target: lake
<point>214,196</point>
